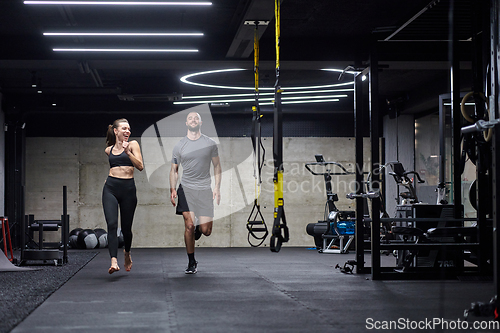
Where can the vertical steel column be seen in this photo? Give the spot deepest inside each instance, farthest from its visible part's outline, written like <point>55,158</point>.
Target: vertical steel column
<point>483,162</point>
<point>15,175</point>
<point>456,120</point>
<point>23,225</point>
<point>456,116</point>
<point>442,145</point>
<point>358,133</point>
<point>65,225</point>
<point>493,102</point>
<point>375,159</point>
<point>441,189</point>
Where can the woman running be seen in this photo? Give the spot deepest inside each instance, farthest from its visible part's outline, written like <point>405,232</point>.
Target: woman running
<point>119,189</point>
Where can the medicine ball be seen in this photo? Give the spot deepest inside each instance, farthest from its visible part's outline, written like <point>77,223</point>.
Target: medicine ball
<point>102,237</point>
<point>87,239</point>
<point>73,237</point>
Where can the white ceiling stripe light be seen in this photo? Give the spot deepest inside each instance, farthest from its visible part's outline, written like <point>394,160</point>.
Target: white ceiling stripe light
<point>261,99</point>
<point>340,71</point>
<point>269,94</point>
<point>186,77</point>
<point>120,3</point>
<point>304,101</point>
<point>124,50</point>
<point>124,34</point>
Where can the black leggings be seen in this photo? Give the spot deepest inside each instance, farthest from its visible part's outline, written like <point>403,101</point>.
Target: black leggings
<point>119,192</point>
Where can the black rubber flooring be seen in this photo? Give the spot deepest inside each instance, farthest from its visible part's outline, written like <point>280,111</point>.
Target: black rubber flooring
<point>23,289</point>
<point>244,290</point>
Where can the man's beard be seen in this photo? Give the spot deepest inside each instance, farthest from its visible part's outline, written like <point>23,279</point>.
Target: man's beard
<point>194,129</point>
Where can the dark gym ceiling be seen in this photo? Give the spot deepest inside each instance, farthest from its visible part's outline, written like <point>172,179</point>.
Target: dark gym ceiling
<point>315,34</point>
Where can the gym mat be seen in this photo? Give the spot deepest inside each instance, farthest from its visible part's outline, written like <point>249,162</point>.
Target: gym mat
<point>243,290</point>
<point>23,290</point>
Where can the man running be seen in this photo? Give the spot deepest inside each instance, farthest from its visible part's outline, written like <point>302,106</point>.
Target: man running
<point>195,152</point>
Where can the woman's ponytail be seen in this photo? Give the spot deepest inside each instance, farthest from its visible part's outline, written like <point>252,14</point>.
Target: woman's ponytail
<point>110,136</point>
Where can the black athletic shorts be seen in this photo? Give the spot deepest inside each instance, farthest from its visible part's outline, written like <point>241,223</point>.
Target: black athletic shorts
<point>200,202</point>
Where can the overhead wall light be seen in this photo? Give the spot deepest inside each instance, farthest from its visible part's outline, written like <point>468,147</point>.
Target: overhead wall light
<point>125,34</point>
<point>120,3</point>
<point>124,50</point>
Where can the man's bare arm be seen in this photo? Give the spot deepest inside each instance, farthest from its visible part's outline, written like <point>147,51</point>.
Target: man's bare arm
<point>218,177</point>
<point>174,174</point>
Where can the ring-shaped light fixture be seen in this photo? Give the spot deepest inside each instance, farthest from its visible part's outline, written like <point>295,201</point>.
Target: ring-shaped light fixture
<point>238,98</point>
<point>186,77</point>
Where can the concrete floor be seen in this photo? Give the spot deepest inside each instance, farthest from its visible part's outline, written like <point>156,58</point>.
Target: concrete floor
<point>246,290</point>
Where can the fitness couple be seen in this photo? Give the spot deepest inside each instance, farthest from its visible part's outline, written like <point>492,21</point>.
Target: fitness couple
<point>195,152</point>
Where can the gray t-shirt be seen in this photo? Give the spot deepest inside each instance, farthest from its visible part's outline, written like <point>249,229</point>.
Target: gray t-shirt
<point>195,156</point>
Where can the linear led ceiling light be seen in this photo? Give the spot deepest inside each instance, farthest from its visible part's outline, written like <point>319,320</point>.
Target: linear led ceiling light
<point>305,101</point>
<point>124,50</point>
<point>340,71</point>
<point>270,101</point>
<point>310,98</point>
<point>125,34</point>
<point>120,3</point>
<point>268,94</point>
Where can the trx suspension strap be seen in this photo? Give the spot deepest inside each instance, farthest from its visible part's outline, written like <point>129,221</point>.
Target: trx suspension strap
<point>256,225</point>
<point>280,230</point>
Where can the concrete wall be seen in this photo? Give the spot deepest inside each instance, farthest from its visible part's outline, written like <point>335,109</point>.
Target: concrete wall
<point>82,166</point>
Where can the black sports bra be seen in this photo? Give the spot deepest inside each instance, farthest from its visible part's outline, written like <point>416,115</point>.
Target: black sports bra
<point>119,160</point>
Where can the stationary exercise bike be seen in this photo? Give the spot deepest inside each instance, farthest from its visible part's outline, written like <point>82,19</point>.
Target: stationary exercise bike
<point>337,226</point>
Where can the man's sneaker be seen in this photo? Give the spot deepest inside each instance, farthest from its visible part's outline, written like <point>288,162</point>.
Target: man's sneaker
<point>197,232</point>
<point>191,269</point>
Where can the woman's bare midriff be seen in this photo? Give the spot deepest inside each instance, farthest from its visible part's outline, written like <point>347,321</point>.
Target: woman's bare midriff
<point>124,172</point>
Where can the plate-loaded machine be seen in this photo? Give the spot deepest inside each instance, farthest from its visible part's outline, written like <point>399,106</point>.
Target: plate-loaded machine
<point>328,231</point>
<point>41,252</point>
